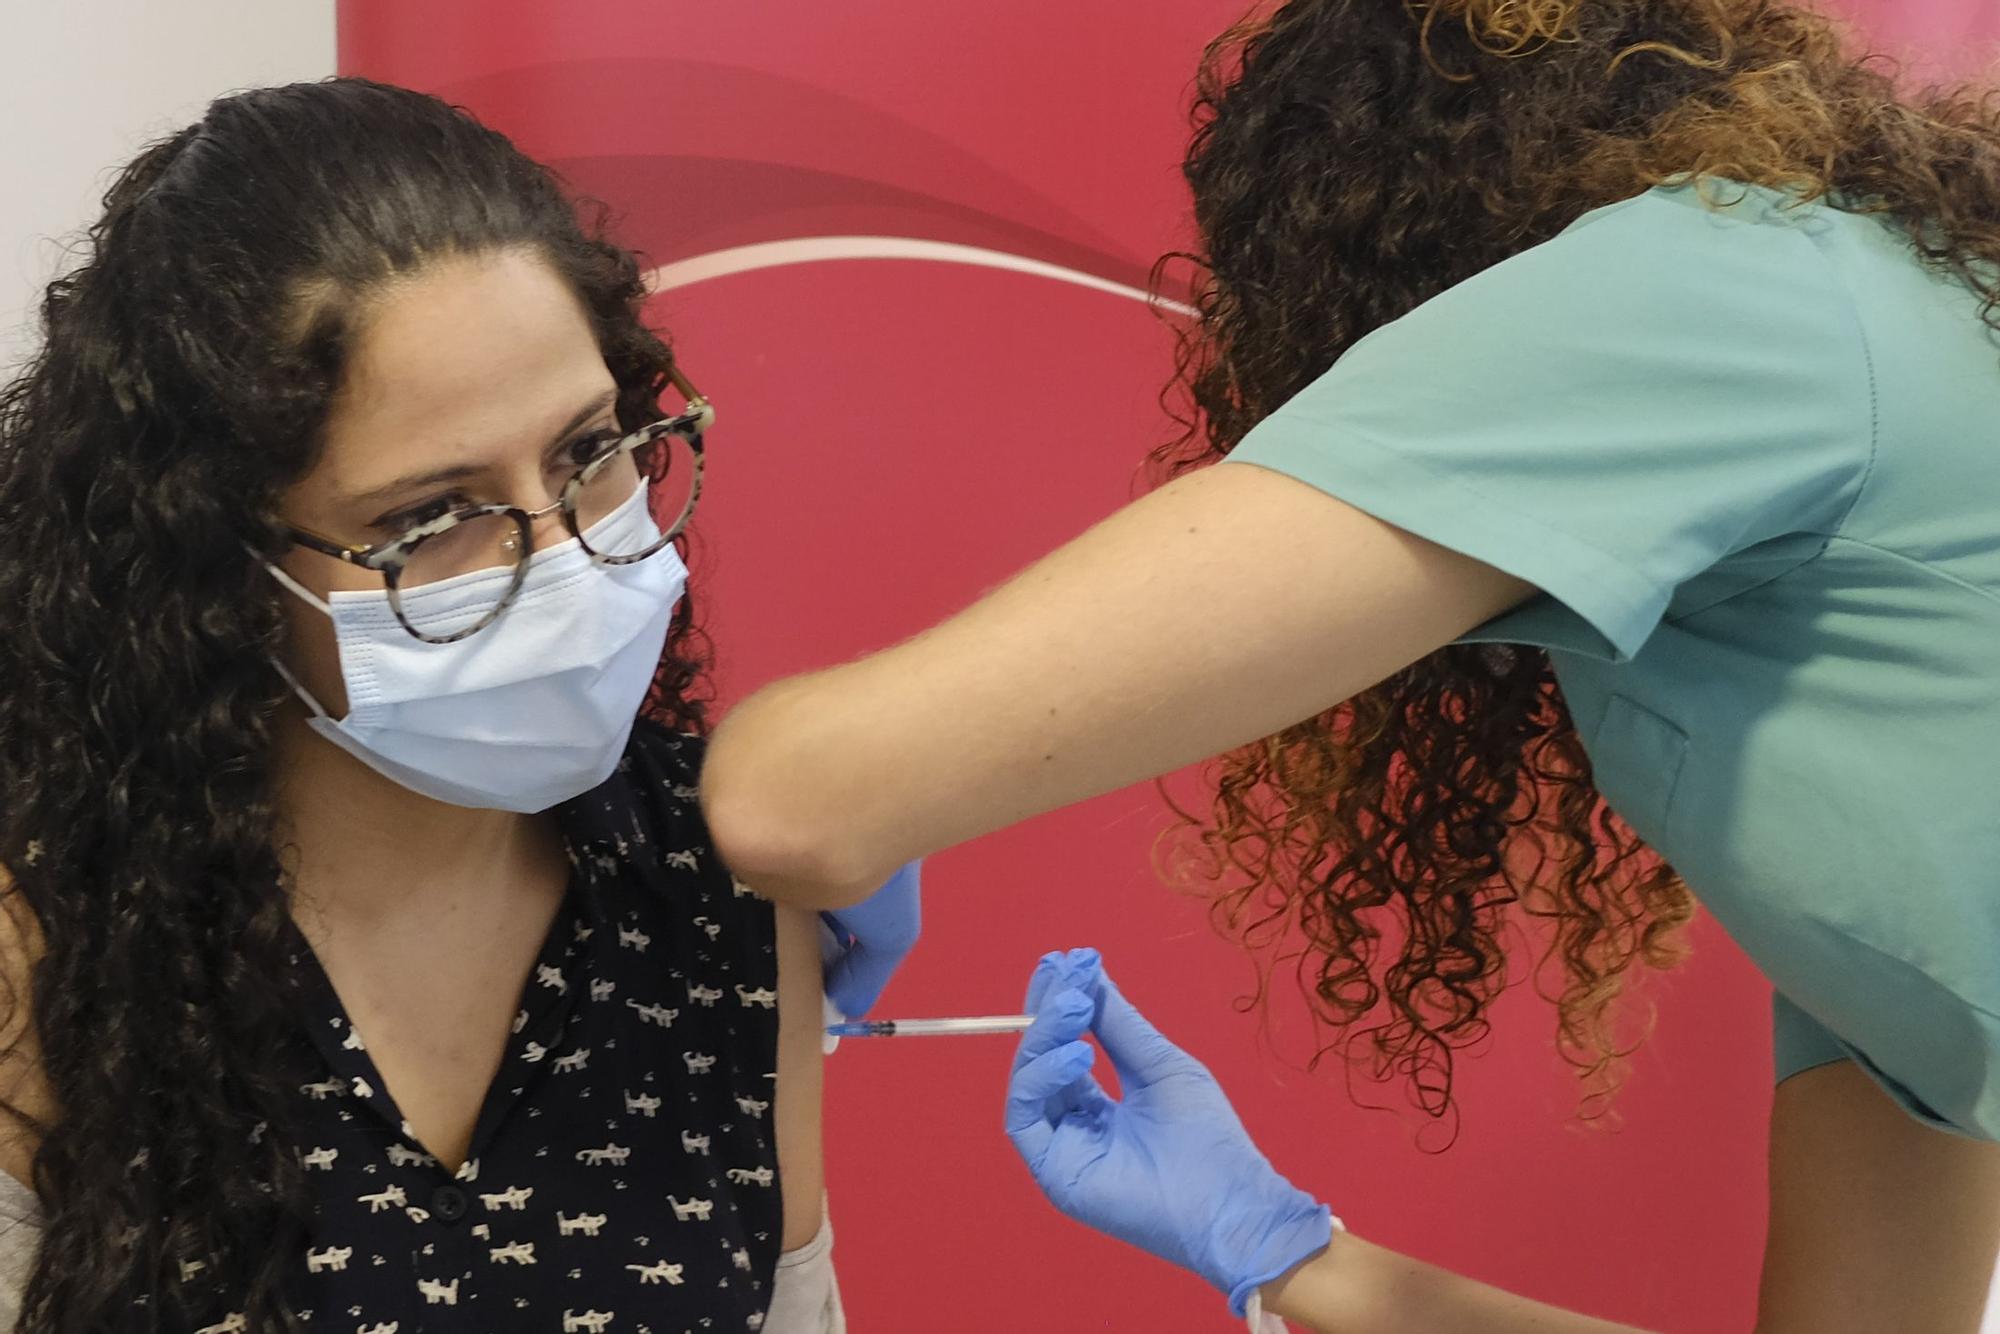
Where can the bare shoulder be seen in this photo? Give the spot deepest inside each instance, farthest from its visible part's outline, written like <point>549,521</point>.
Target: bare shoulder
<point>801,1166</point>
<point>23,1089</point>
<point>1877,1221</point>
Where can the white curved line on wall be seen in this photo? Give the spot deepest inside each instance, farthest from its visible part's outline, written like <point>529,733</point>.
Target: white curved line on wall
<point>820,249</point>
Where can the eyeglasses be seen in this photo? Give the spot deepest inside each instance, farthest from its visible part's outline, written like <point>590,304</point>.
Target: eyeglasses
<point>450,577</point>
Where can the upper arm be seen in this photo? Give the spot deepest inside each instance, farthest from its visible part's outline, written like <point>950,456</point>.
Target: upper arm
<point>24,1091</point>
<point>801,1167</point>
<point>1877,1221</point>
<point>1220,609</point>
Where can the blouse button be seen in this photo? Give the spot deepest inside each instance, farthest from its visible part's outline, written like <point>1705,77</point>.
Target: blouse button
<point>448,1204</point>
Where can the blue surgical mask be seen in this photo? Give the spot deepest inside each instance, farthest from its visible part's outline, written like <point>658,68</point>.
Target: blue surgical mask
<point>534,709</point>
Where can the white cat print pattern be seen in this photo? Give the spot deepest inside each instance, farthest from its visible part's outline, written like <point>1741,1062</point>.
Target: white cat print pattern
<point>618,1180</point>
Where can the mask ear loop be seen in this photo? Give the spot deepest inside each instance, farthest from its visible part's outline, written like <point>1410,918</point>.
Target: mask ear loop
<point>306,595</point>
<point>305,696</point>
<point>311,599</point>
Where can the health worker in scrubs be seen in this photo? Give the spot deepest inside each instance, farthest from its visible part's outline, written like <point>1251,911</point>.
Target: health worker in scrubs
<point>1603,399</point>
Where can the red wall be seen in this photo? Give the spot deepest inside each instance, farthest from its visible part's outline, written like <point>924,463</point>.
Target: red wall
<point>897,435</point>
<point>1933,37</point>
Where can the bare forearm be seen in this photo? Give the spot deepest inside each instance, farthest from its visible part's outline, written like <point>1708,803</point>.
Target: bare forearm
<point>1356,1287</point>
<point>1171,632</point>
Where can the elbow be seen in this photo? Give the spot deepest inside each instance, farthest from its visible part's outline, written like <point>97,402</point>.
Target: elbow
<point>780,858</point>
<point>781,838</point>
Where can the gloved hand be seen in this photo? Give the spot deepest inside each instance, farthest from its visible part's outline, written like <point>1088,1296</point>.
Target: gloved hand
<point>870,941</point>
<point>1168,1167</point>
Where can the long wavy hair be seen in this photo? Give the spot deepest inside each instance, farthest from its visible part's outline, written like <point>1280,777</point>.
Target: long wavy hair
<point>182,383</point>
<point>1350,160</point>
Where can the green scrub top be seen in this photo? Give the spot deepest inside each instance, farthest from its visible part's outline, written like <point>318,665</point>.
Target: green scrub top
<point>1749,450</point>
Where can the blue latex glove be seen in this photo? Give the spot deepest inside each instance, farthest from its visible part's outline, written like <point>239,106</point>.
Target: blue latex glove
<point>1168,1167</point>
<point>870,941</point>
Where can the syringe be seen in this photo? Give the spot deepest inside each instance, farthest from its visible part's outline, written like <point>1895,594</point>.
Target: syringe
<point>930,1028</point>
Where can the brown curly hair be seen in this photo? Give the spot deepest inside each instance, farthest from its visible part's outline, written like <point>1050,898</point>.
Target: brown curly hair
<point>1350,160</point>
<point>183,382</point>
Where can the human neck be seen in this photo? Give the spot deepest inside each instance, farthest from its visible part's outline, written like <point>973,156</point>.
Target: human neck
<point>365,847</point>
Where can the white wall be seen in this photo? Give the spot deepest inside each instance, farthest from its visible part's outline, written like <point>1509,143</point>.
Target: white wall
<point>84,83</point>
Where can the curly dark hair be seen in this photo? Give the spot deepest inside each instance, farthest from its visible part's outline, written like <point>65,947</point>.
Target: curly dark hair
<point>1350,160</point>
<point>181,385</point>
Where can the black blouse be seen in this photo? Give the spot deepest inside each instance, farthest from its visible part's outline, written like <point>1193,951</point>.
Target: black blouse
<point>622,1177</point>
